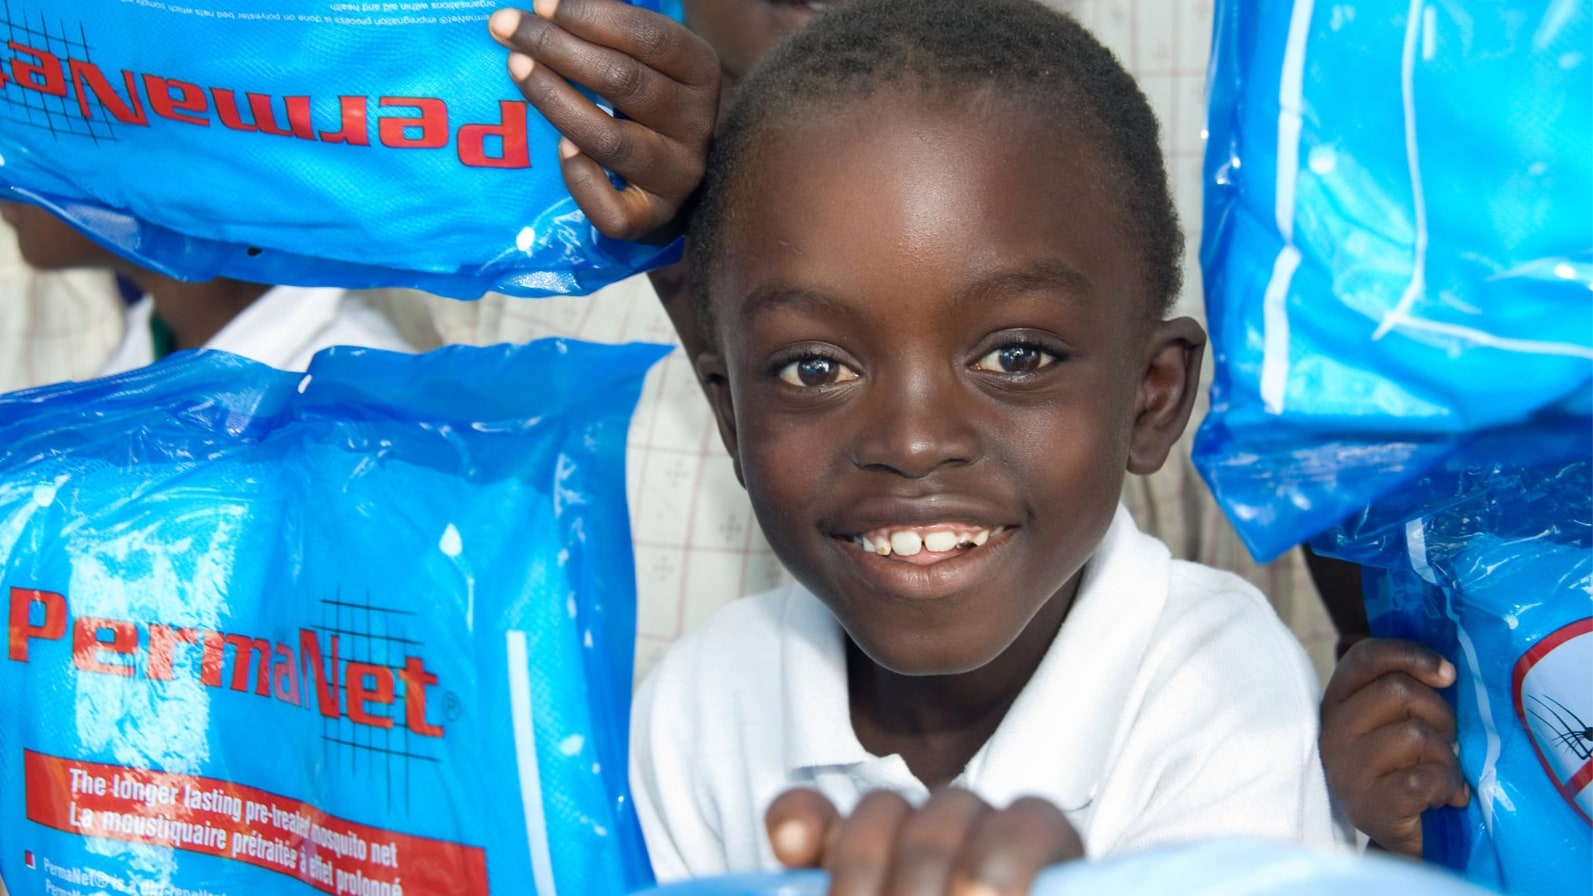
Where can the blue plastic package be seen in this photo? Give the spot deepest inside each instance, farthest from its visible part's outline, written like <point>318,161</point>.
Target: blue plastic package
<point>1233,866</point>
<point>1490,563</point>
<point>1400,295</point>
<point>366,630</point>
<point>300,142</point>
<point>1392,253</point>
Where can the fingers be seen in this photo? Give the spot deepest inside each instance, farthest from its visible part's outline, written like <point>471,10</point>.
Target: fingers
<point>801,824</point>
<point>1403,745</point>
<point>547,58</point>
<point>661,78</point>
<point>628,214</point>
<point>1387,740</point>
<point>1388,700</point>
<point>1393,722</point>
<point>1373,658</point>
<point>1387,777</point>
<point>1402,835</point>
<point>626,82</point>
<point>1390,812</point>
<point>1012,846</point>
<point>651,39</point>
<point>931,841</point>
<point>859,860</point>
<point>955,844</point>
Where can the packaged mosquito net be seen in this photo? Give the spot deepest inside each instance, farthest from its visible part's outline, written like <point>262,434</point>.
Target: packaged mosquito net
<point>1228,866</point>
<point>366,630</point>
<point>301,142</point>
<point>1400,293</point>
<point>1396,245</point>
<point>1489,561</point>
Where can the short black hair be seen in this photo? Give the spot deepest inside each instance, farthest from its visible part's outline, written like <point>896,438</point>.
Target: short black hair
<point>1019,49</point>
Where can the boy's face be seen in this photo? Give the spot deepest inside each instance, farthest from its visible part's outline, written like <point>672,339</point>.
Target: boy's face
<point>48,243</point>
<point>932,328</point>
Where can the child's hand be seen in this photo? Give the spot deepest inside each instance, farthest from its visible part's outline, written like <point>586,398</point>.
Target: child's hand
<point>956,844</point>
<point>1387,740</point>
<point>663,80</point>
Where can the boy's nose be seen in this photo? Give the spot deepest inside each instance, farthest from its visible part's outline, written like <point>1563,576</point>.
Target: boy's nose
<point>914,425</point>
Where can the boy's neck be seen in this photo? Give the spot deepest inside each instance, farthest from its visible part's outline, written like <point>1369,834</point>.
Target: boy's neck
<point>936,723</point>
<point>196,312</point>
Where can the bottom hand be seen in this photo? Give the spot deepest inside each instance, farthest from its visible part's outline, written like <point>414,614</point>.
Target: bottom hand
<point>955,845</point>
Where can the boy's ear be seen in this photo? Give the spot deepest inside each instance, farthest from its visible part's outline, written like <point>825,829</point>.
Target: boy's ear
<point>1167,389</point>
<point>715,377</point>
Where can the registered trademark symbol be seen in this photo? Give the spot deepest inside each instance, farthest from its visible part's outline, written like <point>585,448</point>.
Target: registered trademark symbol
<point>453,708</point>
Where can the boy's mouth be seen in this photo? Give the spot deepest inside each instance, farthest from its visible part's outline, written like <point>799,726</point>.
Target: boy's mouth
<point>924,545</point>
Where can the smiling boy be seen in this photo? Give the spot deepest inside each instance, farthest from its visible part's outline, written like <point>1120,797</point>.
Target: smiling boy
<point>934,250</point>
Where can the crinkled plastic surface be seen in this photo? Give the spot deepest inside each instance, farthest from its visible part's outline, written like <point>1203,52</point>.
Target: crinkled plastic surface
<point>1400,292</point>
<point>1221,867</point>
<point>1490,562</point>
<point>362,630</point>
<point>301,142</point>
<point>1393,252</point>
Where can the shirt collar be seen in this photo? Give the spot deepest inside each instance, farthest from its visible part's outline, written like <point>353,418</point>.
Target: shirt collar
<point>818,715</point>
<point>275,328</point>
<point>1071,715</point>
<point>1065,721</point>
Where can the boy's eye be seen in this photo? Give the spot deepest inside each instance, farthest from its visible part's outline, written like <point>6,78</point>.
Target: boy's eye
<point>1016,359</point>
<point>811,372</point>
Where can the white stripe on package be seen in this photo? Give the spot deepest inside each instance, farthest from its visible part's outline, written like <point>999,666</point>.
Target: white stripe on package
<point>1418,20</point>
<point>525,760</point>
<point>1274,304</point>
<point>1488,775</point>
<point>1421,28</point>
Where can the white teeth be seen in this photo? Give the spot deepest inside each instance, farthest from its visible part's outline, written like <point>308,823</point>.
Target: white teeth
<point>906,543</point>
<point>882,548</point>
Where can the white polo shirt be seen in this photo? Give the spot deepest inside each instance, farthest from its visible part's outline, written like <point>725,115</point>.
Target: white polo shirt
<point>284,328</point>
<point>1173,705</point>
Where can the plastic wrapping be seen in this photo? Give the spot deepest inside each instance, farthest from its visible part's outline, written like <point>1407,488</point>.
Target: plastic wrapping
<point>298,142</point>
<point>1221,867</point>
<point>363,630</point>
<point>1394,249</point>
<point>1490,562</point>
<point>1399,284</point>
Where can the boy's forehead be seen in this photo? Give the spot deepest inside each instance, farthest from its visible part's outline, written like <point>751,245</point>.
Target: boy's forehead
<point>973,184</point>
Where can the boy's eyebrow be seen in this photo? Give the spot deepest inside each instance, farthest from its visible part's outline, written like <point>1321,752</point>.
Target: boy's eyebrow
<point>1048,274</point>
<point>771,298</point>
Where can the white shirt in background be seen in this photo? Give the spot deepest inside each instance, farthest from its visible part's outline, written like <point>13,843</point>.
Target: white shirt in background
<point>284,328</point>
<point>54,326</point>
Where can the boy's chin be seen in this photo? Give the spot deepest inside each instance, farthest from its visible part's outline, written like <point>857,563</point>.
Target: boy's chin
<point>923,661</point>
